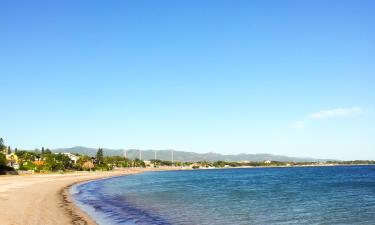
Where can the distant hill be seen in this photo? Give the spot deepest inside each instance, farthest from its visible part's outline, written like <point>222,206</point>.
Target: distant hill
<point>187,156</point>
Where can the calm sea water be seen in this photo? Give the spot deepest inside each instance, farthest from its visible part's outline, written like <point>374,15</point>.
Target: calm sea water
<point>308,195</point>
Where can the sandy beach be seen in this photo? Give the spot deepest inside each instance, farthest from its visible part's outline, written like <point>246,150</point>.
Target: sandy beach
<point>45,199</point>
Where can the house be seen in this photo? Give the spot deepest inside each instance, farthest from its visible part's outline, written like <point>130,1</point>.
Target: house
<point>268,162</point>
<point>148,163</point>
<point>12,160</point>
<point>71,156</point>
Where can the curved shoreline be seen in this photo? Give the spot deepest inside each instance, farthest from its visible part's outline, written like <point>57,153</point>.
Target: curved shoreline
<point>78,215</point>
<point>45,199</point>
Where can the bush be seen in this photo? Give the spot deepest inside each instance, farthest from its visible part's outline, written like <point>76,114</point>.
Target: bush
<point>3,160</point>
<point>7,170</point>
<point>102,167</point>
<point>27,166</point>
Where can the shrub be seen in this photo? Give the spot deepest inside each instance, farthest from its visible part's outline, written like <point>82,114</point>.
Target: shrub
<point>3,160</point>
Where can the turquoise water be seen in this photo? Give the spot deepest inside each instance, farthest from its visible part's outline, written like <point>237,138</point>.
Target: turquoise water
<point>305,195</point>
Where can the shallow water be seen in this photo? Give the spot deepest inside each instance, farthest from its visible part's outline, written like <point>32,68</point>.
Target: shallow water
<point>304,195</point>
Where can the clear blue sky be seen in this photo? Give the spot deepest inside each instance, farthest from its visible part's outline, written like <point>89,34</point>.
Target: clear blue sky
<point>283,77</point>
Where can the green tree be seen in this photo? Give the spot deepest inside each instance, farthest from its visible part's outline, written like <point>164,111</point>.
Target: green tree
<point>47,151</point>
<point>2,146</point>
<point>3,161</point>
<point>219,163</point>
<point>9,150</point>
<point>138,163</point>
<point>99,155</point>
<point>26,156</point>
<point>55,162</point>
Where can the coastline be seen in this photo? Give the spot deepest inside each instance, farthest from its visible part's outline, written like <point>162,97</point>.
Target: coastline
<point>45,198</point>
<point>75,213</point>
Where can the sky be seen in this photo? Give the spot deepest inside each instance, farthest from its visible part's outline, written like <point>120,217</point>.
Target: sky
<point>293,78</point>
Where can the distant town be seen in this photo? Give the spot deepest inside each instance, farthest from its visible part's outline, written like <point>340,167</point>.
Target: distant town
<point>15,161</point>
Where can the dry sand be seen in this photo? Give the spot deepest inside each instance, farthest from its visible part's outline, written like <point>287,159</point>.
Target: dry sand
<point>45,199</point>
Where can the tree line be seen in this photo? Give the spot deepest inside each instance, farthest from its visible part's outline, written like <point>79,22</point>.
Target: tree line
<point>45,160</point>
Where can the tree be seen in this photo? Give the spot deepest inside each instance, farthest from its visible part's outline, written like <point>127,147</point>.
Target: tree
<point>55,162</point>
<point>3,160</point>
<point>99,155</point>
<point>88,165</point>
<point>64,159</point>
<point>25,156</point>
<point>42,152</point>
<point>219,163</point>
<point>2,146</point>
<point>138,163</point>
<point>9,150</point>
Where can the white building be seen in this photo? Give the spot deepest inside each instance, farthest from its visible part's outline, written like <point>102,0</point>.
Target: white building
<point>71,156</point>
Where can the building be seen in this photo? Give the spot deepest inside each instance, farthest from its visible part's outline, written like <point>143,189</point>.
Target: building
<point>268,162</point>
<point>71,156</point>
<point>12,160</point>
<point>149,163</point>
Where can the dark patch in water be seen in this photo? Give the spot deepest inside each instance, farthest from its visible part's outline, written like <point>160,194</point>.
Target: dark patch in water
<point>120,211</point>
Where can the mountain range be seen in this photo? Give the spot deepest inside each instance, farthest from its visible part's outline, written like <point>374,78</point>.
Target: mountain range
<point>186,156</point>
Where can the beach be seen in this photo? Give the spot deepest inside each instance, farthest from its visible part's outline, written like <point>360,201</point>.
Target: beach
<point>44,199</point>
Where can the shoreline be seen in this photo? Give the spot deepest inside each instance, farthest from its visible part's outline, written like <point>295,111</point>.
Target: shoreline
<point>80,217</point>
<point>77,215</point>
<point>46,199</point>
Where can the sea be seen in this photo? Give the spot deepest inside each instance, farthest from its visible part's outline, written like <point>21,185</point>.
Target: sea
<point>291,195</point>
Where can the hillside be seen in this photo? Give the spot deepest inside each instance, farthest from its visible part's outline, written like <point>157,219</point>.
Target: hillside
<point>186,156</point>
